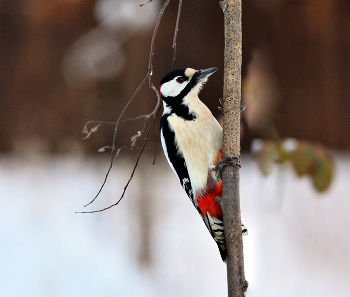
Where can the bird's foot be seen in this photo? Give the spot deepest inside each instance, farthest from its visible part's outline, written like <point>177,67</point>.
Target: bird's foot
<point>221,101</point>
<point>244,230</point>
<point>242,107</point>
<point>225,162</point>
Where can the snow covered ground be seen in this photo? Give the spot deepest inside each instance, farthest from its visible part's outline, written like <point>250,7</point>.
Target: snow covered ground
<point>298,242</point>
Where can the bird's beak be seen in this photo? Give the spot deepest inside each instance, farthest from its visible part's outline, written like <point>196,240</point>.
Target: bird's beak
<point>202,74</point>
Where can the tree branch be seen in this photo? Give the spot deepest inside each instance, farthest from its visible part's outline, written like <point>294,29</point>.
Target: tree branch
<point>154,113</point>
<point>232,10</point>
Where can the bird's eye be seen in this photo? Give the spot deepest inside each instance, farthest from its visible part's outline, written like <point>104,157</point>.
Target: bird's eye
<point>180,79</point>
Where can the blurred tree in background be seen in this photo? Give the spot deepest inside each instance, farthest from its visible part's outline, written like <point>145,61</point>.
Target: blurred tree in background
<point>65,62</point>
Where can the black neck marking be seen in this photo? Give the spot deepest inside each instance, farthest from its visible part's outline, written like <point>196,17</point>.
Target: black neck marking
<point>172,74</point>
<point>176,104</point>
<point>181,110</point>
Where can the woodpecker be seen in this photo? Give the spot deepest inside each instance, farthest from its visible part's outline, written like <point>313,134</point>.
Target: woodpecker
<point>192,143</point>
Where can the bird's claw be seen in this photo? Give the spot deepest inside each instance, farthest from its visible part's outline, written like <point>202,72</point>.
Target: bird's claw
<point>244,230</point>
<point>242,107</point>
<point>225,162</point>
<point>221,101</point>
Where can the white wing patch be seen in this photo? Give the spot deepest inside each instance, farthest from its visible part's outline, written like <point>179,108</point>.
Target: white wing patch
<point>166,153</point>
<point>185,181</point>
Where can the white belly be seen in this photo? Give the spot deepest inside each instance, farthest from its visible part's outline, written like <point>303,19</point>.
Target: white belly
<point>199,141</point>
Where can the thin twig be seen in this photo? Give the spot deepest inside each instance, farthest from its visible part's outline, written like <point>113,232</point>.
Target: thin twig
<point>124,147</point>
<point>115,135</point>
<point>154,112</point>
<point>94,129</point>
<point>151,54</point>
<point>145,3</point>
<point>150,69</point>
<point>175,33</point>
<point>133,171</point>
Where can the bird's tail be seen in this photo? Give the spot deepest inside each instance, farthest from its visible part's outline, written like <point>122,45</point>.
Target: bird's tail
<point>222,249</point>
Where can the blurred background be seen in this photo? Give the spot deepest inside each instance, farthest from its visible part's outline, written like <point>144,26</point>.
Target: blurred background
<point>65,62</point>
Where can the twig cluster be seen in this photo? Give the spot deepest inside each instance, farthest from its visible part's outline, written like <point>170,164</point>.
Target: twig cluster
<point>120,119</point>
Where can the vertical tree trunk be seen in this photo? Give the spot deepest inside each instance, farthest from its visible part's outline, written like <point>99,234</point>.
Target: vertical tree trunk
<point>230,201</point>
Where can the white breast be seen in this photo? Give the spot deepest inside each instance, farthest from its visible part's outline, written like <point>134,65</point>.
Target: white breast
<point>199,141</point>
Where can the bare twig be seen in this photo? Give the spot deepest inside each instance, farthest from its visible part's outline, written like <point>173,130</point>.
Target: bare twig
<point>124,147</point>
<point>175,33</point>
<point>92,130</point>
<point>145,3</point>
<point>230,201</point>
<point>99,123</point>
<point>151,54</point>
<point>150,67</point>
<point>115,135</point>
<point>154,113</point>
<point>133,171</point>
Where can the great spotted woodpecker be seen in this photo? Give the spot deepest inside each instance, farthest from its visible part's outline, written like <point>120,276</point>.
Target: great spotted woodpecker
<point>192,143</point>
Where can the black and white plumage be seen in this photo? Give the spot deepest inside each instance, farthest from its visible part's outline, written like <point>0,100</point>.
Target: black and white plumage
<point>192,142</point>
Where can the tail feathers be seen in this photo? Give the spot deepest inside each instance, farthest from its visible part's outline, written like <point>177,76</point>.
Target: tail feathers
<point>222,249</point>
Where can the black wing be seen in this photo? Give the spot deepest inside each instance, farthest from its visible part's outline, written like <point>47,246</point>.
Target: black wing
<point>176,160</point>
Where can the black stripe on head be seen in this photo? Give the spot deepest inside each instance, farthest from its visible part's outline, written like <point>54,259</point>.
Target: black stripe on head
<point>179,72</point>
<point>172,74</point>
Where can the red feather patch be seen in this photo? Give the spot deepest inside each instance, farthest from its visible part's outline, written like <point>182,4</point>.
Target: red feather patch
<point>206,201</point>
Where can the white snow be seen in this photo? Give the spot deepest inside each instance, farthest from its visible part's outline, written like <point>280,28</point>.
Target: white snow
<point>298,242</point>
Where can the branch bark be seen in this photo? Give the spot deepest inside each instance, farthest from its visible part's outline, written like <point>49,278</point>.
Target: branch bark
<point>230,202</point>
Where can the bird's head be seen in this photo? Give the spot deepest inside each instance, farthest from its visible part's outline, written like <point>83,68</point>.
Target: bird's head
<point>178,83</point>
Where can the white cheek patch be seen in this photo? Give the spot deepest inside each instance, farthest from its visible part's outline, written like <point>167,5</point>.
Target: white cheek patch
<point>172,88</point>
